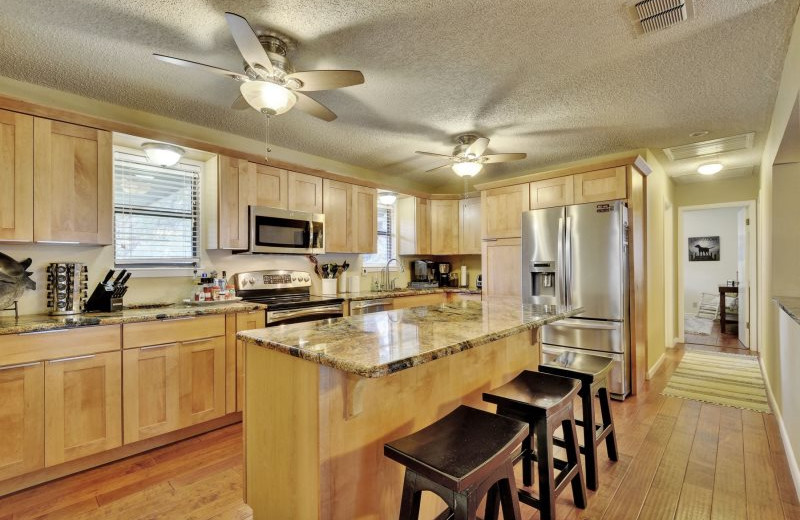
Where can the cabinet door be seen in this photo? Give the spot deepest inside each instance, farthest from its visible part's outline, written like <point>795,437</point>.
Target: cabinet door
<point>501,211</point>
<point>21,419</point>
<point>413,226</point>
<point>600,185</point>
<point>501,266</point>
<point>305,193</point>
<point>244,321</point>
<point>444,227</point>
<point>150,391</point>
<point>551,193</point>
<point>365,220</point>
<point>338,208</point>
<point>234,188</point>
<point>72,183</point>
<point>16,177</point>
<point>202,380</point>
<point>268,186</point>
<point>83,407</point>
<point>470,235</point>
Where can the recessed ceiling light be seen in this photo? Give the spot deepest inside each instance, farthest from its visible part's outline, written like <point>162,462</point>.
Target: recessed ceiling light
<point>699,134</point>
<point>709,169</point>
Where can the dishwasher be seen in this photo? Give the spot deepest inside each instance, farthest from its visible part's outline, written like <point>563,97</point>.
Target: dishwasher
<point>370,306</point>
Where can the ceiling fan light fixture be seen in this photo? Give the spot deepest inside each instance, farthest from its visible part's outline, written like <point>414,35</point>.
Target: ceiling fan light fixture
<point>467,168</point>
<point>268,97</point>
<point>709,169</point>
<point>163,154</point>
<point>387,197</point>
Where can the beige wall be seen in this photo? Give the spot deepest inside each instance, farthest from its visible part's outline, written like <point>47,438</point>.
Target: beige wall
<point>786,238</point>
<point>716,191</point>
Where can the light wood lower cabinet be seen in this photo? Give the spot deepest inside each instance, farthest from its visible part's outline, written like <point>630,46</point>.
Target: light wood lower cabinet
<point>21,419</point>
<point>83,406</point>
<point>151,395</point>
<point>421,300</point>
<point>501,267</point>
<point>244,321</point>
<point>202,380</point>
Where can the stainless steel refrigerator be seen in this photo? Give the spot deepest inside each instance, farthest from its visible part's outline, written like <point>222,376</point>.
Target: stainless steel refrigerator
<point>578,255</point>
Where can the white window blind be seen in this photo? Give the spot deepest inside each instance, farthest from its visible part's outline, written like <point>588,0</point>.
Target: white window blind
<point>386,237</point>
<point>156,212</point>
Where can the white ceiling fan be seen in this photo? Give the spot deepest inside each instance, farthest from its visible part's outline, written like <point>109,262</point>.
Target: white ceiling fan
<point>468,156</point>
<point>269,84</point>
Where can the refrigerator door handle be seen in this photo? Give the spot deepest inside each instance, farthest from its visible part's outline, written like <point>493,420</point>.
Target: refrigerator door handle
<point>560,299</point>
<point>568,262</point>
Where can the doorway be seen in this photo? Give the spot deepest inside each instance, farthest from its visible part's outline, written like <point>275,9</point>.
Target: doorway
<point>717,276</point>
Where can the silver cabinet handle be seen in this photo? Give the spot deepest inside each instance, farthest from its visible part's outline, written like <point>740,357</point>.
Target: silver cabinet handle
<point>179,319</point>
<point>488,240</point>
<point>67,242</point>
<point>153,347</point>
<point>74,358</point>
<point>194,341</point>
<point>21,365</point>
<point>305,312</point>
<point>48,331</point>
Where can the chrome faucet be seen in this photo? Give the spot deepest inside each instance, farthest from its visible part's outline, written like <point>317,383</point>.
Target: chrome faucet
<point>385,274</point>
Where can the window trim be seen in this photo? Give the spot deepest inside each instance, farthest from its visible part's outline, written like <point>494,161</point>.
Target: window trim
<point>368,267</point>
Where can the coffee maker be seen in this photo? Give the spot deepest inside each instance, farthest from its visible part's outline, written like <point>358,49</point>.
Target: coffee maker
<point>423,271</point>
<point>443,274</point>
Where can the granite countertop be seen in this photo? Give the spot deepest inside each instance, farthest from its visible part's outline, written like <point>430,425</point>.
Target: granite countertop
<point>37,322</point>
<point>379,344</point>
<point>790,305</point>
<point>397,293</point>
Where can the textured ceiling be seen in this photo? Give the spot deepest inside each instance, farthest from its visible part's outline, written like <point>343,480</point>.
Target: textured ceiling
<point>561,81</point>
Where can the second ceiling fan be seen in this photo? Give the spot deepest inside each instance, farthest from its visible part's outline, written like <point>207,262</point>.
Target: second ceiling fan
<point>468,156</point>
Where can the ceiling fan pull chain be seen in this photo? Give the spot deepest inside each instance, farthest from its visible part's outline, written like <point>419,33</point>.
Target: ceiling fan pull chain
<point>266,148</point>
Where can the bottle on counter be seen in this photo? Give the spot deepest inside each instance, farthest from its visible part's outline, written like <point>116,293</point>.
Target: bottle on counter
<point>231,292</point>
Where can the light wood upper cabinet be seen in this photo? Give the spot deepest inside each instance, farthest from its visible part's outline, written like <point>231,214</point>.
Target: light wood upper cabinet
<point>151,396</point>
<point>16,177</point>
<point>268,187</point>
<point>305,192</point>
<point>551,193</point>
<point>234,185</point>
<point>83,406</point>
<point>338,209</point>
<point>444,227</point>
<point>501,267</point>
<point>21,419</point>
<point>600,185</point>
<point>413,226</point>
<point>243,321</point>
<point>365,220</point>
<point>72,183</point>
<point>202,380</point>
<point>501,211</point>
<point>470,220</point>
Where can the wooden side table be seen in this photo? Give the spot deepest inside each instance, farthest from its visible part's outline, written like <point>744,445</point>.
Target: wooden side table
<point>723,291</point>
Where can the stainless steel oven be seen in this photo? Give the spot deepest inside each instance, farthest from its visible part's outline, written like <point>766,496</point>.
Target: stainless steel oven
<point>318,312</point>
<point>273,230</point>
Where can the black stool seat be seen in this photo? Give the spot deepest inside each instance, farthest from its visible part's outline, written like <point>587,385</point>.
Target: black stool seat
<point>592,372</point>
<point>460,457</point>
<point>544,401</point>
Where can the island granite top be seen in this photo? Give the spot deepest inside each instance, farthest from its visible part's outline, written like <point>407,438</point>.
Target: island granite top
<point>382,343</point>
<point>39,322</point>
<point>790,305</point>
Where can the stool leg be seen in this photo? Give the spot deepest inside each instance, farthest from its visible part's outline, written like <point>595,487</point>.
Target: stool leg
<point>527,461</point>
<point>492,504</point>
<point>574,460</point>
<point>589,438</point>
<point>605,410</point>
<point>544,457</point>
<point>409,506</point>
<point>462,509</point>
<point>508,496</point>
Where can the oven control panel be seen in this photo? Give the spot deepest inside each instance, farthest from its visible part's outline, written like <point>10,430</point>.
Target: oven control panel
<point>272,279</point>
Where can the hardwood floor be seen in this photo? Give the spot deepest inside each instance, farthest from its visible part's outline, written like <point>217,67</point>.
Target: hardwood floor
<point>679,459</point>
<point>716,338</point>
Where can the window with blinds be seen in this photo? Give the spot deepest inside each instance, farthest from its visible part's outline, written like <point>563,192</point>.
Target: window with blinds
<point>156,212</point>
<point>386,237</point>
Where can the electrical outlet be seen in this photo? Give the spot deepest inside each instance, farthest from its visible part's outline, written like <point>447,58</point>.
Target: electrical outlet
<point>364,271</point>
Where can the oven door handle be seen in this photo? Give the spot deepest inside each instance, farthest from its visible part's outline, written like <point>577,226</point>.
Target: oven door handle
<point>273,316</point>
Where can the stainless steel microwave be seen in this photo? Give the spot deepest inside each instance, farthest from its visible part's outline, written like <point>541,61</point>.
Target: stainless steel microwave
<point>282,231</point>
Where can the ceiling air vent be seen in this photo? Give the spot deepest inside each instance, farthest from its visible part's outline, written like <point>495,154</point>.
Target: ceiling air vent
<point>654,15</point>
<point>714,146</point>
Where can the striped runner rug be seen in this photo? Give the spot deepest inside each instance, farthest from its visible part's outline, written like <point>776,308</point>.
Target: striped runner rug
<point>718,378</point>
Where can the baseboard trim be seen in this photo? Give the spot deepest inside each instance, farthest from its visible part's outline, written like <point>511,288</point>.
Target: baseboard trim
<point>656,367</point>
<point>675,342</point>
<point>794,469</point>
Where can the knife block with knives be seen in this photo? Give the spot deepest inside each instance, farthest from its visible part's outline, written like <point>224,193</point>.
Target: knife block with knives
<point>107,296</point>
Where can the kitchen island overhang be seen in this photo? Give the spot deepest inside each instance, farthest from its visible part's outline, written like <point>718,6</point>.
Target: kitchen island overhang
<point>323,397</point>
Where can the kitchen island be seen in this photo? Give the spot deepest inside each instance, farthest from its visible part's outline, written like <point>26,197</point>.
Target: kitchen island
<point>323,397</point>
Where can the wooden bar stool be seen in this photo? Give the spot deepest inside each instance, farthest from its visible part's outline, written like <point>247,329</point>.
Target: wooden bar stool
<point>592,372</point>
<point>460,457</point>
<point>544,401</point>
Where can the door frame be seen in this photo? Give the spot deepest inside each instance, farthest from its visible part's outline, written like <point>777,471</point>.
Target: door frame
<point>752,275</point>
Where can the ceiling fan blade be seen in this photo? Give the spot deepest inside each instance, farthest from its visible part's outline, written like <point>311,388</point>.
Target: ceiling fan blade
<point>247,42</point>
<point>313,107</point>
<point>432,154</point>
<point>200,66</point>
<point>503,157</point>
<point>477,147</point>
<point>438,167</point>
<point>240,103</point>
<point>327,79</point>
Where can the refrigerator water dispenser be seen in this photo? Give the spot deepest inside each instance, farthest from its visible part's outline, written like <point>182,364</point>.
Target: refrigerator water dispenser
<point>543,278</point>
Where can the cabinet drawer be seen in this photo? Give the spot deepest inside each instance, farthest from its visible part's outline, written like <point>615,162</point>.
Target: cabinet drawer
<point>171,331</point>
<point>58,343</point>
